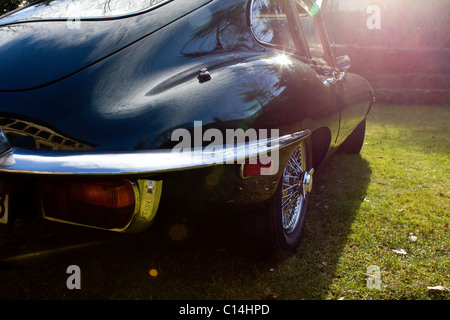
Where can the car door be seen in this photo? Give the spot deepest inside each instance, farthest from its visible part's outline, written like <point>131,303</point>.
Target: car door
<point>345,87</point>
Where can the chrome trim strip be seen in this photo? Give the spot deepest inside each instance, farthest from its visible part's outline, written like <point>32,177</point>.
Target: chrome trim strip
<point>50,162</point>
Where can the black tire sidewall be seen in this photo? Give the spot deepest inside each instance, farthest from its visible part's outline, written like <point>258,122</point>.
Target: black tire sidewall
<point>283,244</point>
<point>355,141</point>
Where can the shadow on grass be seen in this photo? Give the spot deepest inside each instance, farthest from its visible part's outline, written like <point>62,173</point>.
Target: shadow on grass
<point>340,186</point>
<point>209,256</point>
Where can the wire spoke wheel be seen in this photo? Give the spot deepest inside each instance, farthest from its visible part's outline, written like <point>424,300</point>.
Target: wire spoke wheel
<point>292,190</point>
<point>287,210</point>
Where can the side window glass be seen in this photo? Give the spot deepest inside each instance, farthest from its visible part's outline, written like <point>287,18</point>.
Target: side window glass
<point>312,36</point>
<point>270,24</point>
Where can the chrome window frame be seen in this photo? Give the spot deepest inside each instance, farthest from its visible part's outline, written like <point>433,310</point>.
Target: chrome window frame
<point>323,35</point>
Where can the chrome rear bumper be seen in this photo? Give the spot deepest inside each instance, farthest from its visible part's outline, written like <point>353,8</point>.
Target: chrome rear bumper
<point>45,162</point>
<point>137,166</point>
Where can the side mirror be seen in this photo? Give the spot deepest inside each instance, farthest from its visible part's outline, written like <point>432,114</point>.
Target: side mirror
<point>343,62</point>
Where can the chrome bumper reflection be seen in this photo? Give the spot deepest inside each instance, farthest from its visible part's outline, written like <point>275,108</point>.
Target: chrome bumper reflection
<point>43,162</point>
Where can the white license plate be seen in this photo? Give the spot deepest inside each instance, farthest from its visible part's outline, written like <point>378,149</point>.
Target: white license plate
<point>4,208</point>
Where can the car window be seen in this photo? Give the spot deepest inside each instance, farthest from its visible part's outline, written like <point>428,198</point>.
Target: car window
<point>270,24</point>
<point>57,9</point>
<point>312,36</point>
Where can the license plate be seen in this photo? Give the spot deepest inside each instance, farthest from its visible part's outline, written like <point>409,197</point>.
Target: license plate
<point>4,214</point>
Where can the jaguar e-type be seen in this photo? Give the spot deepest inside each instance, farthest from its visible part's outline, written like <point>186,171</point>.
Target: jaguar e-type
<point>108,105</point>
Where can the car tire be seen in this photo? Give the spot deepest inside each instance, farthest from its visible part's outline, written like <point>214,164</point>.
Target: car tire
<point>287,209</point>
<point>354,142</point>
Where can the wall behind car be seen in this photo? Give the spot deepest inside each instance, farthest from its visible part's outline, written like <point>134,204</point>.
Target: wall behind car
<point>402,47</point>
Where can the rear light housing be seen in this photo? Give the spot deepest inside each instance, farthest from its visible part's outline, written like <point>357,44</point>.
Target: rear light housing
<point>257,167</point>
<point>100,204</point>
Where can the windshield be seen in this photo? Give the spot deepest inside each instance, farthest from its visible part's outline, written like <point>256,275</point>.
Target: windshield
<point>79,9</point>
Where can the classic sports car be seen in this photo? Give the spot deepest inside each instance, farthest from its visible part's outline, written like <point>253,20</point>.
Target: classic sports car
<point>107,105</point>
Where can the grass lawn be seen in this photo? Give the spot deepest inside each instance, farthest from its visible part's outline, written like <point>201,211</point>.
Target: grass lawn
<point>366,207</point>
<point>363,208</point>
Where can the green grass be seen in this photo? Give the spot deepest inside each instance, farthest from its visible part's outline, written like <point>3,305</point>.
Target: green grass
<point>363,207</point>
<point>403,188</point>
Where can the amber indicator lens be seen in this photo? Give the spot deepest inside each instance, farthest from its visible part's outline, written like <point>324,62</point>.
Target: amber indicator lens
<point>102,194</point>
<point>104,204</point>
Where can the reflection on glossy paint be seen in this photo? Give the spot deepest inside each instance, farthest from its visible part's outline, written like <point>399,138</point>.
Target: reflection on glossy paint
<point>220,30</point>
<point>281,59</point>
<point>63,9</point>
<point>63,51</point>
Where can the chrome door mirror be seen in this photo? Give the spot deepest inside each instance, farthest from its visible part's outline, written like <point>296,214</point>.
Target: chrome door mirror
<point>343,62</point>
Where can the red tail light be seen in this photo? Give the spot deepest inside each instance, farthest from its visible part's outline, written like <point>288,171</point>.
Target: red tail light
<point>254,169</point>
<point>103,204</point>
